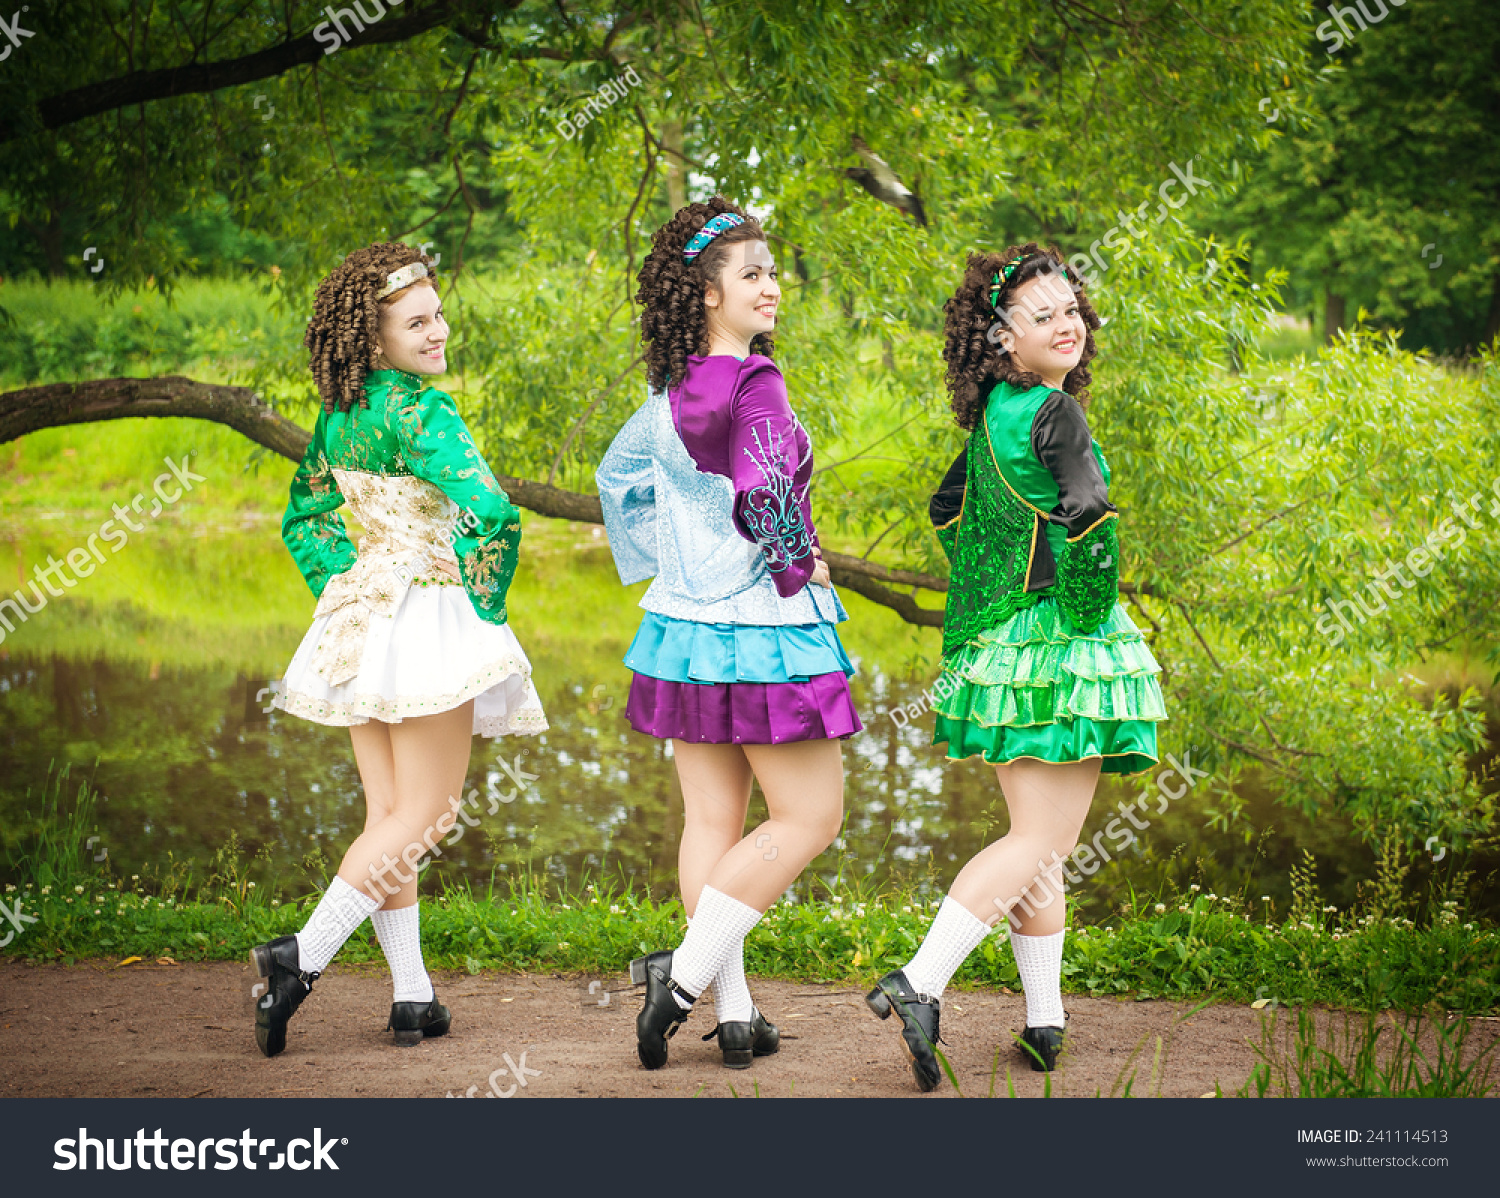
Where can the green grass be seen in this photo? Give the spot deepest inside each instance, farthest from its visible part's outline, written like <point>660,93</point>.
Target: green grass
<point>1356,1059</point>
<point>1181,947</point>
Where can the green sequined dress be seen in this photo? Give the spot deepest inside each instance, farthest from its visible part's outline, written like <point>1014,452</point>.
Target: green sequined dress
<point>1040,659</point>
<point>393,635</point>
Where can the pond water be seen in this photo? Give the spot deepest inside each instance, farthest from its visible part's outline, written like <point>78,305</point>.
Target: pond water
<point>144,680</point>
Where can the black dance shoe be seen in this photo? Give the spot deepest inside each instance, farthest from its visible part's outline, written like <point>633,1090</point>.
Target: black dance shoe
<point>919,1017</point>
<point>411,1021</point>
<point>287,987</point>
<point>1041,1046</point>
<point>765,1040</point>
<point>743,1041</point>
<point>662,1015</point>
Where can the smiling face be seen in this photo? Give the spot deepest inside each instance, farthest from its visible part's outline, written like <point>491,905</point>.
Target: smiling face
<point>744,301</point>
<point>412,333</point>
<point>1047,331</point>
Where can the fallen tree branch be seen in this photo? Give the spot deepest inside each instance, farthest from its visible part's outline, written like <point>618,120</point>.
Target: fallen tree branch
<point>32,409</point>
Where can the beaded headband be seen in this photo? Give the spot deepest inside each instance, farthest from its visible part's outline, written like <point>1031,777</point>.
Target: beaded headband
<point>404,277</point>
<point>997,282</point>
<point>699,240</point>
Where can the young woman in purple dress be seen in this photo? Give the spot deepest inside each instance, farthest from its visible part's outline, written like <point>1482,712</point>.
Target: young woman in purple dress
<point>737,661</point>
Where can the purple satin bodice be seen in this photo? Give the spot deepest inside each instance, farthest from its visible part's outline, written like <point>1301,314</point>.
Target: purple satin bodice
<point>734,419</point>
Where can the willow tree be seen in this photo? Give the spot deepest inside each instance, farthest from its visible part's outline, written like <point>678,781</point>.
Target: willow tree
<point>536,145</point>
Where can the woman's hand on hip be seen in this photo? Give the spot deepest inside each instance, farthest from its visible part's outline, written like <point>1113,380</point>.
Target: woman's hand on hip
<point>820,573</point>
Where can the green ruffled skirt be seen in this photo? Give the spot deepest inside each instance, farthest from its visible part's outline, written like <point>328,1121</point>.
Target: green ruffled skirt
<point>1036,687</point>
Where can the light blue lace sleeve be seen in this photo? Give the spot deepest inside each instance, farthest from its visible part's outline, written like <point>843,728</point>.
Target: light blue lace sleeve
<point>627,492</point>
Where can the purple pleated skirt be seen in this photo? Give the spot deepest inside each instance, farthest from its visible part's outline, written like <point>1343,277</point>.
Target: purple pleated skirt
<point>743,713</point>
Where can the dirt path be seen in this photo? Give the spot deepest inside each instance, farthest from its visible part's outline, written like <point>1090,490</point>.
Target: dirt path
<point>186,1031</point>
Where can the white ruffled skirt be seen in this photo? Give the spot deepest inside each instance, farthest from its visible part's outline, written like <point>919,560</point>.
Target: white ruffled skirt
<point>430,655</point>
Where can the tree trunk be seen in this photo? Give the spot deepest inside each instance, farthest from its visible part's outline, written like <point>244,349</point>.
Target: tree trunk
<point>1333,314</point>
<point>34,408</point>
<point>49,239</point>
<point>671,137</point>
<point>1492,321</point>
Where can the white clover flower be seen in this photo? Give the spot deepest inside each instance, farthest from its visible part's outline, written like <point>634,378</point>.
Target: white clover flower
<point>9,889</point>
<point>1160,907</point>
<point>78,890</point>
<point>1213,898</point>
<point>1331,907</point>
<point>614,909</point>
<point>68,900</point>
<point>249,885</point>
<point>46,890</point>
<point>1195,888</point>
<point>1265,898</point>
<point>135,877</point>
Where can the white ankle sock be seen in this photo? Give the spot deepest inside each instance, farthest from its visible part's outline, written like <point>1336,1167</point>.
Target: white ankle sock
<point>1039,959</point>
<point>955,933</point>
<point>341,910</point>
<point>400,937</point>
<point>732,1001</point>
<point>717,930</point>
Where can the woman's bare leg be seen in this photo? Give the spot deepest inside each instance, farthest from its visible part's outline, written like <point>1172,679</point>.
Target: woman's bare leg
<point>804,787</point>
<point>1048,803</point>
<point>377,770</point>
<point>715,781</point>
<point>429,762</point>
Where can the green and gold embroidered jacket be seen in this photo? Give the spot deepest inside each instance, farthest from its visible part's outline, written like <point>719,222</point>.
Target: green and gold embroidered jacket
<point>423,493</point>
<point>1024,514</point>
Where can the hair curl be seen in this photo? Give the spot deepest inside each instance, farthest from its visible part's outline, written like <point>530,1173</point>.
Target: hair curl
<point>346,320</point>
<point>674,323</point>
<point>975,362</point>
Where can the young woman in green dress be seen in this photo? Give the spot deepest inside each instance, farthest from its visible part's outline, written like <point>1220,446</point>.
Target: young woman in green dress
<point>410,646</point>
<point>1044,674</point>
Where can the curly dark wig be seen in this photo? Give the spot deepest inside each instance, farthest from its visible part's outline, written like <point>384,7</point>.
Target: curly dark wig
<point>346,319</point>
<point>975,361</point>
<point>674,323</point>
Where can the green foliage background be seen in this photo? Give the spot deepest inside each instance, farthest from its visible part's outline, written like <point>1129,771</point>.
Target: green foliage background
<point>1253,491</point>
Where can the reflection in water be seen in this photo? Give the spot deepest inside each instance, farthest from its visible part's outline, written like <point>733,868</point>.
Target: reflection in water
<point>186,757</point>
<point>146,680</point>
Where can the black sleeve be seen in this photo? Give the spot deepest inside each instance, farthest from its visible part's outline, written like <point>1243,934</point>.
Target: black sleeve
<point>1061,441</point>
<point>945,505</point>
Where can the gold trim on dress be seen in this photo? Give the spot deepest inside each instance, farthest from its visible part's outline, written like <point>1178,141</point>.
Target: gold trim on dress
<point>1094,525</point>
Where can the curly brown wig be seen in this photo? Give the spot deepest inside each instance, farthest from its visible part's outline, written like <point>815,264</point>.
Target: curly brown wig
<point>674,323</point>
<point>346,319</point>
<point>976,360</point>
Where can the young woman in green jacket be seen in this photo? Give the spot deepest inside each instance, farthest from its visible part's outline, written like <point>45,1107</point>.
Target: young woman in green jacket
<point>1044,674</point>
<point>410,647</point>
